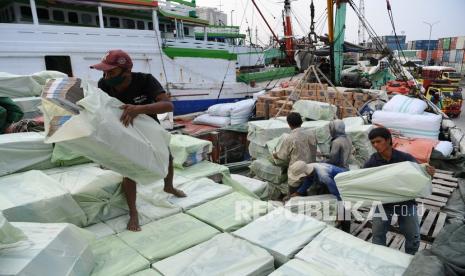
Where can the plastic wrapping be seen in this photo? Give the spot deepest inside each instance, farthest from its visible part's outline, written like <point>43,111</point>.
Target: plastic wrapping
<point>187,150</point>
<point>71,104</point>
<point>404,104</point>
<point>322,133</point>
<point>385,184</point>
<point>114,257</point>
<point>253,185</point>
<point>349,255</point>
<point>222,110</point>
<point>222,255</point>
<point>18,86</point>
<point>315,110</point>
<point>257,151</point>
<point>321,207</point>
<point>260,132</point>
<point>445,147</point>
<point>50,249</point>
<point>9,235</point>
<point>62,157</point>
<point>23,152</point>
<point>97,191</point>
<point>362,149</point>
<point>202,169</point>
<point>216,121</point>
<point>353,121</point>
<point>168,236</point>
<point>266,170</point>
<point>281,232</point>
<point>424,125</point>
<point>100,230</point>
<point>199,191</point>
<point>297,267</point>
<point>29,106</point>
<point>230,212</point>
<point>241,111</point>
<point>147,272</point>
<point>35,197</point>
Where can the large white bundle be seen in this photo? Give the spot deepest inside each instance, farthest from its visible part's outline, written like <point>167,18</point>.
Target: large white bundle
<point>281,232</point>
<point>314,110</point>
<point>222,110</point>
<point>424,125</point>
<point>50,249</point>
<point>87,121</point>
<point>222,255</point>
<point>385,184</point>
<point>168,236</point>
<point>296,267</point>
<point>349,255</point>
<point>260,132</point>
<point>199,191</point>
<point>404,104</point>
<point>268,171</point>
<point>353,121</point>
<point>362,149</point>
<point>254,185</point>
<point>35,197</point>
<point>230,212</point>
<point>187,150</point>
<point>322,133</point>
<point>241,111</point>
<point>113,257</point>
<point>202,169</point>
<point>9,235</point>
<point>100,230</point>
<point>17,86</point>
<point>445,147</point>
<point>321,207</point>
<point>97,191</point>
<point>147,272</point>
<point>29,106</point>
<point>257,151</point>
<point>216,121</point>
<point>24,151</point>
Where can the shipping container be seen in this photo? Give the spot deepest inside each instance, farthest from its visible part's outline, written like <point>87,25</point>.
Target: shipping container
<point>440,41</point>
<point>461,42</point>
<point>426,44</point>
<point>459,56</point>
<point>452,55</point>
<point>446,43</point>
<point>463,61</point>
<point>436,55</point>
<point>453,43</point>
<point>421,55</point>
<point>445,56</point>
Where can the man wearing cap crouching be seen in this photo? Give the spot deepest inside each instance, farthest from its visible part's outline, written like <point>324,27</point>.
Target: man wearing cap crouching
<point>141,94</point>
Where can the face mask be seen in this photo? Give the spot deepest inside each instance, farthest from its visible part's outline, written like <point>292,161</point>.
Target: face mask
<point>115,81</point>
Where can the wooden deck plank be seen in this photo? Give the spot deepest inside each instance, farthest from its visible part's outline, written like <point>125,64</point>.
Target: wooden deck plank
<point>397,242</point>
<point>444,172</point>
<point>438,186</point>
<point>437,198</point>
<point>439,224</point>
<point>428,222</point>
<point>445,183</point>
<point>447,177</point>
<point>441,192</point>
<point>394,220</point>
<point>431,202</point>
<point>364,234</point>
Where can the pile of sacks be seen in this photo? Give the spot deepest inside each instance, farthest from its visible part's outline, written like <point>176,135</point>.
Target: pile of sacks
<point>221,115</point>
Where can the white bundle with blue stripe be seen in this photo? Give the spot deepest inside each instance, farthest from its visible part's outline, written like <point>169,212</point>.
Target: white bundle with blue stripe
<point>424,125</point>
<point>404,104</point>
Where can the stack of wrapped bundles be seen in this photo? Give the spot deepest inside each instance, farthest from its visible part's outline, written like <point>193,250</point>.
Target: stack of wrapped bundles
<point>187,150</point>
<point>221,115</point>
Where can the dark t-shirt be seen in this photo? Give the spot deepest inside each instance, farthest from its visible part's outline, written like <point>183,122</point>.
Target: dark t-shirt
<point>397,156</point>
<point>143,89</point>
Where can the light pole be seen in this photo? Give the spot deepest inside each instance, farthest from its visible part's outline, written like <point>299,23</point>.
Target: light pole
<point>429,39</point>
<point>232,24</point>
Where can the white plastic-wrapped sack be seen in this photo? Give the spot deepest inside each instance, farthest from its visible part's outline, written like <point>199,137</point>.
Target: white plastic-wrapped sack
<point>9,235</point>
<point>202,169</point>
<point>254,185</point>
<point>241,111</point>
<point>87,121</point>
<point>424,125</point>
<point>113,257</point>
<point>97,191</point>
<point>445,147</point>
<point>260,132</point>
<point>222,255</point>
<point>216,121</point>
<point>385,184</point>
<point>322,133</point>
<point>50,249</point>
<point>199,191</point>
<point>268,171</point>
<point>187,150</point>
<point>353,122</point>
<point>362,149</point>
<point>168,236</point>
<point>24,151</point>
<point>296,267</point>
<point>17,86</point>
<point>147,272</point>
<point>257,151</point>
<point>404,104</point>
<point>100,230</point>
<point>62,157</point>
<point>156,209</point>
<point>230,212</point>
<point>222,110</point>
<point>29,106</point>
<point>35,197</point>
<point>281,232</point>
<point>315,110</point>
<point>349,255</point>
<point>321,207</point>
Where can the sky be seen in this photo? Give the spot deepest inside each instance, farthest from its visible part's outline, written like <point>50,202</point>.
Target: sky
<point>408,17</point>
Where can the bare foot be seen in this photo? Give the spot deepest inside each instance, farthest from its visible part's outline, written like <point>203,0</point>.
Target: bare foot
<point>175,192</point>
<point>133,223</point>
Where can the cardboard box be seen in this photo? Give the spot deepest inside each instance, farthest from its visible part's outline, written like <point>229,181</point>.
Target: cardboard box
<point>331,94</point>
<point>322,87</point>
<point>276,93</point>
<point>345,96</point>
<point>343,103</point>
<point>308,93</point>
<point>348,112</point>
<point>359,104</point>
<point>322,94</point>
<point>268,99</point>
<point>286,104</point>
<point>260,114</point>
<point>260,107</point>
<point>361,96</point>
<point>314,98</point>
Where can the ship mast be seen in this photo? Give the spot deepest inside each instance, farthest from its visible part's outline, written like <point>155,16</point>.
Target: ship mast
<point>288,36</point>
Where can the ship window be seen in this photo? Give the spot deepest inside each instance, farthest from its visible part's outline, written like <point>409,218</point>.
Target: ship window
<point>186,31</point>
<point>114,22</point>
<point>73,17</point>
<point>58,16</point>
<point>12,12</point>
<point>60,64</point>
<point>105,22</point>
<point>129,24</point>
<point>86,19</point>
<point>43,14</point>
<point>150,25</point>
<point>140,25</point>
<point>26,13</point>
<point>3,17</point>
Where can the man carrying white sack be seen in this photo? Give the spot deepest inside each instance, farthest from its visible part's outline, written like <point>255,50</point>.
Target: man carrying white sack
<point>141,94</point>
<point>406,211</point>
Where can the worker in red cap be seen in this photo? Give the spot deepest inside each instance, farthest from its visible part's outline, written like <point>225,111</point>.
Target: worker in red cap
<point>141,94</point>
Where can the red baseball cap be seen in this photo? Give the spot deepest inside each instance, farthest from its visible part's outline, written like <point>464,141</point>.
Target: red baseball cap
<point>113,59</point>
